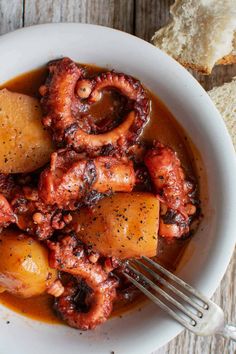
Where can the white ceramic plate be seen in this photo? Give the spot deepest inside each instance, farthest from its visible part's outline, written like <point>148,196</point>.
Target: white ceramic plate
<point>211,248</point>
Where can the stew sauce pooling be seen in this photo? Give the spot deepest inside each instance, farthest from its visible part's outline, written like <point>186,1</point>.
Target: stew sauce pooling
<point>162,127</point>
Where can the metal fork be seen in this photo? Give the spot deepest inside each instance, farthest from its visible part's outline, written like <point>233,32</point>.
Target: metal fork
<point>181,301</point>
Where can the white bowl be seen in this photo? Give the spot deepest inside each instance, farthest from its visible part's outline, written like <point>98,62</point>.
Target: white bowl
<point>212,246</point>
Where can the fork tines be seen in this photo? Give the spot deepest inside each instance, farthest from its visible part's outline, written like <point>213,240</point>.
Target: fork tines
<point>143,274</point>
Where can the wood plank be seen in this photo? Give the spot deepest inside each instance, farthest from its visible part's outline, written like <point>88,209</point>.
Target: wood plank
<point>11,15</point>
<point>112,13</point>
<point>150,15</point>
<point>220,74</point>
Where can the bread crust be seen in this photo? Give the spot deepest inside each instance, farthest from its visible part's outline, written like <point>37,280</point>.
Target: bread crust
<point>205,70</point>
<point>227,60</point>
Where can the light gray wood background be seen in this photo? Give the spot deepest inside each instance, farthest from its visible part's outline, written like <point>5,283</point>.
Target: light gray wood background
<point>142,18</point>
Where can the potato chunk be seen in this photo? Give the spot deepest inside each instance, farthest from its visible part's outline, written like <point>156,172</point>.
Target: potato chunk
<point>124,225</point>
<point>24,268</point>
<point>25,145</point>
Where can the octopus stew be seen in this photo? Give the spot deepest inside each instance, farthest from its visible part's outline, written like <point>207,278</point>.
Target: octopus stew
<point>101,173</point>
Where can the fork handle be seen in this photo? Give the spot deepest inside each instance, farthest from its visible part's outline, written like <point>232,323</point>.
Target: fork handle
<point>229,332</point>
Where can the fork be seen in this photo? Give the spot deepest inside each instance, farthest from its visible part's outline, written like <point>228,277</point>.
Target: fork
<point>184,303</point>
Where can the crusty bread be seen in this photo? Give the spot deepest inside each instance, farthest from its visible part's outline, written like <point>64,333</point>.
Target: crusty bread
<point>200,33</point>
<point>231,57</point>
<point>224,98</point>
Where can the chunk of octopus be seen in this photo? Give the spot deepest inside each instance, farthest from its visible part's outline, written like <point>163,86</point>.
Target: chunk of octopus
<point>69,256</point>
<point>58,96</point>
<point>6,213</point>
<point>100,305</point>
<point>128,131</point>
<point>71,178</point>
<point>173,190</point>
<point>168,178</point>
<point>62,98</point>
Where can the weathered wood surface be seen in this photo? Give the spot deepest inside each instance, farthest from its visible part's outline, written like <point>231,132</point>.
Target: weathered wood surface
<point>142,18</point>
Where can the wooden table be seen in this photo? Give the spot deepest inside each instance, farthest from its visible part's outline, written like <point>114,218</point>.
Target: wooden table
<point>142,18</point>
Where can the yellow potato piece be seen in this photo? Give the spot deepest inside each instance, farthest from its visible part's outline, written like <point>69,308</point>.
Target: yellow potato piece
<point>124,225</point>
<point>24,268</point>
<point>25,145</point>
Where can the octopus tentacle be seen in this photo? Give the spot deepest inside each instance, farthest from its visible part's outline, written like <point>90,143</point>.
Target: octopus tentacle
<point>100,305</point>
<point>58,96</point>
<point>128,131</point>
<point>35,217</point>
<point>6,213</point>
<point>115,137</point>
<point>70,256</point>
<point>71,178</point>
<point>61,105</point>
<point>127,85</point>
<point>173,190</point>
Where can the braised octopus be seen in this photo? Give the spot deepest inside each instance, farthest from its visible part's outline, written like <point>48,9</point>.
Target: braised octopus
<point>71,257</point>
<point>174,191</point>
<point>92,163</point>
<point>72,178</point>
<point>66,94</point>
<point>6,214</point>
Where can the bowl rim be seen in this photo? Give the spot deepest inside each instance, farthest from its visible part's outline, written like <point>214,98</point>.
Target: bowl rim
<point>230,242</point>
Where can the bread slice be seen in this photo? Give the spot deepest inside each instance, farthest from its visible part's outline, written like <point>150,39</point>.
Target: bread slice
<point>224,98</point>
<point>231,57</point>
<point>200,33</point>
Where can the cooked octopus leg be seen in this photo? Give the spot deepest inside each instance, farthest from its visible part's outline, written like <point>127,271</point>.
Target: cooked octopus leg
<point>35,217</point>
<point>69,256</point>
<point>173,190</point>
<point>58,96</point>
<point>100,302</point>
<point>70,178</point>
<point>61,101</point>
<point>6,213</point>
